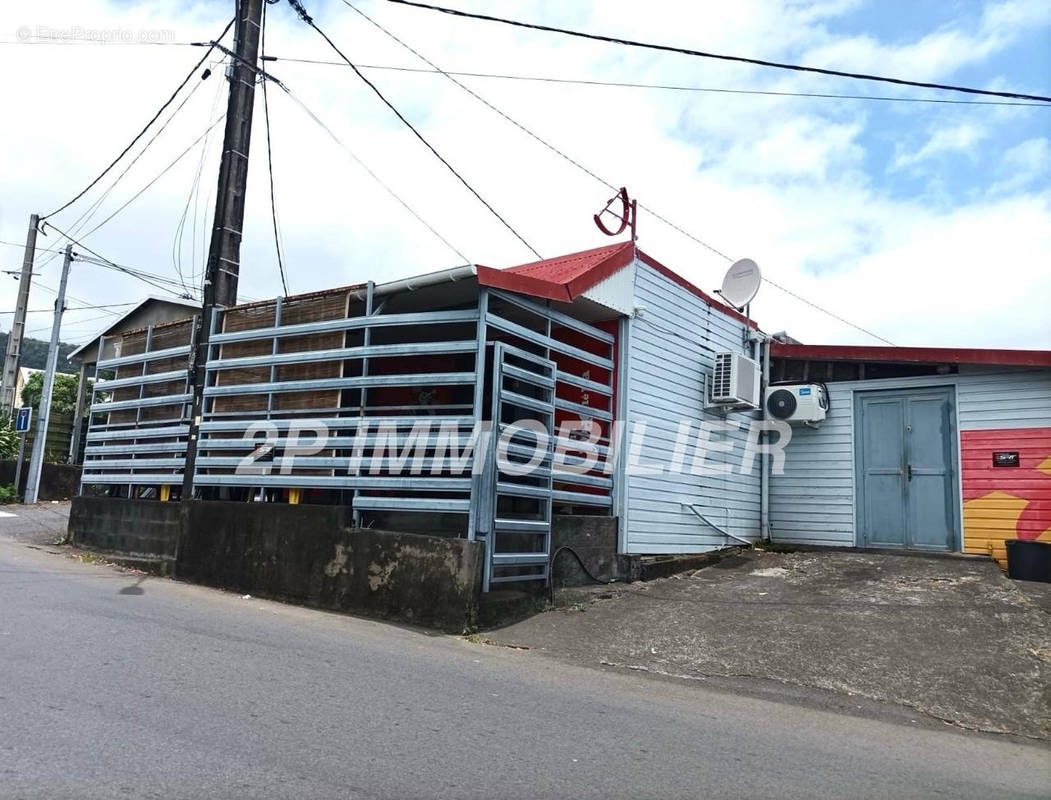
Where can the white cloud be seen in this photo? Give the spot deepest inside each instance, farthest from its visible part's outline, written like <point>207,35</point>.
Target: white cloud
<point>1026,163</point>
<point>963,138</point>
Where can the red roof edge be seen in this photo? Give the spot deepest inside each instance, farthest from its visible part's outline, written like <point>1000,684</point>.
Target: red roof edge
<point>598,273</point>
<point>523,284</point>
<point>919,355</point>
<point>677,278</point>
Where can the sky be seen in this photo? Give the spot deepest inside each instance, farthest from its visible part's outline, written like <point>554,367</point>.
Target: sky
<point>927,224</point>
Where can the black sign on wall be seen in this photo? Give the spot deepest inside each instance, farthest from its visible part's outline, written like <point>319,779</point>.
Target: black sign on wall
<point>1005,458</point>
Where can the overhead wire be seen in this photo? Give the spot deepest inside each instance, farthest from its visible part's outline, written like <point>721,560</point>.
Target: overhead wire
<point>158,176</point>
<point>82,221</point>
<point>302,12</point>
<point>270,162</point>
<point>602,180</point>
<point>368,170</point>
<point>142,132</point>
<point>154,280</point>
<point>658,86</point>
<point>722,56</point>
<point>191,197</point>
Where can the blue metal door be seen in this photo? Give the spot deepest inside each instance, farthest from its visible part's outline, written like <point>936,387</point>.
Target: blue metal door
<point>906,454</point>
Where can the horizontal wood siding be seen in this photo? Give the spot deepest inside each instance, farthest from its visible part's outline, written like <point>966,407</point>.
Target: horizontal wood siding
<point>671,353</point>
<point>813,501</point>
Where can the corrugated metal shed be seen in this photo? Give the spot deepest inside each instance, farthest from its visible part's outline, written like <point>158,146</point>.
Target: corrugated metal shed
<point>813,501</point>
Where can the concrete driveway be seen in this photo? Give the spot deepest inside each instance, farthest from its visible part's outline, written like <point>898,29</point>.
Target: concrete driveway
<point>43,523</point>
<point>950,637</point>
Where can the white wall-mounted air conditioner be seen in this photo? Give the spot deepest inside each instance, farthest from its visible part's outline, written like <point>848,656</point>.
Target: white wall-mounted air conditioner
<point>805,403</point>
<point>735,381</point>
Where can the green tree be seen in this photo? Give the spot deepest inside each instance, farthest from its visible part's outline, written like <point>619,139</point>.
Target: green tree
<point>8,439</point>
<point>63,395</point>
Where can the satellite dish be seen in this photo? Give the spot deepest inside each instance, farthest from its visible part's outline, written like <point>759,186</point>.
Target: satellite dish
<point>741,283</point>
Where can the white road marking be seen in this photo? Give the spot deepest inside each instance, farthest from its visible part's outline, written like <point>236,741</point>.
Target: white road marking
<point>7,514</point>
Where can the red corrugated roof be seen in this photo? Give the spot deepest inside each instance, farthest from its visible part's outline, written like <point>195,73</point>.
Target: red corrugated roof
<point>567,277</point>
<point>916,355</point>
<point>564,277</point>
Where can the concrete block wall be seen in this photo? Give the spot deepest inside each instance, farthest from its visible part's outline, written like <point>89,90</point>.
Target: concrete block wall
<point>299,553</point>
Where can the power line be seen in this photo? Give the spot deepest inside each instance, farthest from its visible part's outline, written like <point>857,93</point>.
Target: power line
<point>146,277</point>
<point>270,161</point>
<point>662,86</point>
<point>54,291</point>
<point>266,76</point>
<point>78,225</point>
<point>298,6</point>
<point>191,197</point>
<point>72,308</point>
<point>155,178</point>
<point>404,204</point>
<point>141,133</point>
<point>722,57</point>
<point>598,178</point>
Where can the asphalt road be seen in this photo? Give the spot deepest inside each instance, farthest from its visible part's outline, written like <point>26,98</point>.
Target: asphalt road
<point>115,686</point>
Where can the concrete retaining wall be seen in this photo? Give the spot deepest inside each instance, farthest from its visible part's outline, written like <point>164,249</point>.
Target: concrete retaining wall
<point>129,527</point>
<point>304,554</point>
<point>57,481</point>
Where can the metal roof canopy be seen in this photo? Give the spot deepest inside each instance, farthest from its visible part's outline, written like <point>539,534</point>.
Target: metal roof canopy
<point>913,355</point>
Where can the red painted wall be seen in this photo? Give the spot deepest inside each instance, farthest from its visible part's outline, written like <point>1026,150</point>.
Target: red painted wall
<point>1001,503</point>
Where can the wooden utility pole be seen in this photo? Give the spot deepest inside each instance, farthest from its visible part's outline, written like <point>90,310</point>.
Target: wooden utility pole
<point>224,251</point>
<point>36,463</point>
<point>18,324</point>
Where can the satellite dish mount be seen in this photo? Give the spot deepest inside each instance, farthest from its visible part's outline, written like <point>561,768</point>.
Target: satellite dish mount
<point>628,215</point>
<point>740,285</point>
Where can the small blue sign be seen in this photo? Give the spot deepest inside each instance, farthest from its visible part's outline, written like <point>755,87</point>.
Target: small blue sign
<point>22,419</point>
<point>804,391</point>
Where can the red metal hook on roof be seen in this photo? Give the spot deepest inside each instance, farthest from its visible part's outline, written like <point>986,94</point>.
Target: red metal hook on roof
<point>627,215</point>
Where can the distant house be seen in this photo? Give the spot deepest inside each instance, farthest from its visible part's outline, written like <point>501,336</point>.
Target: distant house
<point>151,311</point>
<point>24,373</point>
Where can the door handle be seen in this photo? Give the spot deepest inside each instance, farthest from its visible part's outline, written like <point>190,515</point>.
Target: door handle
<point>908,471</point>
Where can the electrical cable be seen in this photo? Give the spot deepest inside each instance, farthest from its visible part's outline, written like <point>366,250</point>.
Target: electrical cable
<point>372,174</point>
<point>270,162</point>
<point>142,275</point>
<point>156,178</point>
<point>191,196</point>
<point>54,291</point>
<point>298,6</point>
<point>601,180</point>
<point>580,561</point>
<point>141,133</point>
<point>78,225</point>
<point>660,86</point>
<point>722,57</point>
<point>72,308</point>
<point>320,123</point>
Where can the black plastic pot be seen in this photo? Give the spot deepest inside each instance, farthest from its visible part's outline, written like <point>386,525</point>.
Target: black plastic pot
<point>1029,560</point>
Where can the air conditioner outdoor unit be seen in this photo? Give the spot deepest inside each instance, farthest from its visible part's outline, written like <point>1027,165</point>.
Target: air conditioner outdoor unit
<point>805,403</point>
<point>735,381</point>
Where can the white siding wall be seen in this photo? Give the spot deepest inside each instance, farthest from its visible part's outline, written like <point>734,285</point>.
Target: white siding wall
<point>813,501</point>
<point>671,353</point>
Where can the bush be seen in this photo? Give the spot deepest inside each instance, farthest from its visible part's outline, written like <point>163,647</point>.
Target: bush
<point>8,493</point>
<point>8,439</point>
